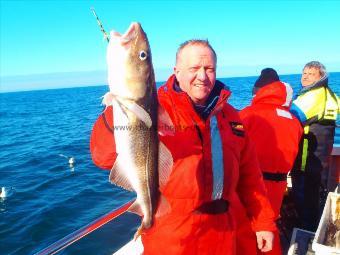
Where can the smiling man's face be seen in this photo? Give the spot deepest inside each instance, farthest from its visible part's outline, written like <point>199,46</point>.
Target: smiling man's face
<point>196,72</point>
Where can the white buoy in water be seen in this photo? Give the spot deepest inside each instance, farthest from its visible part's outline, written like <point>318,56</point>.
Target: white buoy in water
<point>3,192</point>
<point>71,162</point>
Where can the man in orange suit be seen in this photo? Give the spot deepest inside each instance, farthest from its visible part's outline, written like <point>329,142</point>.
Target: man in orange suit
<point>213,160</point>
<point>276,134</point>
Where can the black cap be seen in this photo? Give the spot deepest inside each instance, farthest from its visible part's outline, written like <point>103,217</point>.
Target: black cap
<point>268,75</point>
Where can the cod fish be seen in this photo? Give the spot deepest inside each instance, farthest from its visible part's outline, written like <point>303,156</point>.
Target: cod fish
<point>142,162</point>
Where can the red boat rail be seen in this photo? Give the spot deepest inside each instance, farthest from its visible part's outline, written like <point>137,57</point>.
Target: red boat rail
<point>80,233</point>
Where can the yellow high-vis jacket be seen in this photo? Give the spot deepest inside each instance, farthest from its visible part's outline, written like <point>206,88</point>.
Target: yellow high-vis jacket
<point>317,107</point>
<point>316,104</point>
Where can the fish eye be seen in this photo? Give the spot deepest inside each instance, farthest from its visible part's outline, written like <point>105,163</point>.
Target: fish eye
<point>143,55</point>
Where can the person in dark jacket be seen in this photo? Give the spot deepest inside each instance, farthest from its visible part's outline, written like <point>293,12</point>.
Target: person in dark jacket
<point>316,106</point>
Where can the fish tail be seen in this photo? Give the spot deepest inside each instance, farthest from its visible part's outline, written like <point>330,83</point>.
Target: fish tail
<point>138,232</point>
<point>141,228</point>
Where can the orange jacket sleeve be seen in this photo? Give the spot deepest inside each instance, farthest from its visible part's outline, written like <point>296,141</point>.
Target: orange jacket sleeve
<point>252,192</point>
<point>102,144</point>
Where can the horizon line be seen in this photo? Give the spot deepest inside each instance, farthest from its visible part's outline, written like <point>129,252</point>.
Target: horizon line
<point>77,79</point>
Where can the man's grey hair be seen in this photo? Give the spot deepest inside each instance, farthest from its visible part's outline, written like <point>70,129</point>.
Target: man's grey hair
<point>191,42</point>
<point>317,65</point>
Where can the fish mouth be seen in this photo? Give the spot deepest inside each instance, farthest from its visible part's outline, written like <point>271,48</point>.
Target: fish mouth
<point>131,33</point>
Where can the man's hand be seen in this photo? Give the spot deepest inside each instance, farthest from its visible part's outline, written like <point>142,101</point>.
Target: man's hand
<point>265,240</point>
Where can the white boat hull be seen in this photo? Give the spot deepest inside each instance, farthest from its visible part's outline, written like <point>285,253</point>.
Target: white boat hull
<point>131,248</point>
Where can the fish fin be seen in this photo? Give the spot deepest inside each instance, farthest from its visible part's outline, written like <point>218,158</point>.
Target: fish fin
<point>139,111</point>
<point>117,175</point>
<point>163,207</point>
<point>165,124</point>
<point>136,209</point>
<point>165,164</point>
<point>107,99</point>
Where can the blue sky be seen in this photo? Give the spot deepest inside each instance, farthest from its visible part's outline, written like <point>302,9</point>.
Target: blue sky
<point>58,43</point>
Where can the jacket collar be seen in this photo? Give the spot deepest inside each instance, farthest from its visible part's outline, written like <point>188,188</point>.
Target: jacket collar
<point>218,95</point>
<point>323,82</point>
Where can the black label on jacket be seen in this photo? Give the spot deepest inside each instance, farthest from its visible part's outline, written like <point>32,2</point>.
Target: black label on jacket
<point>237,128</point>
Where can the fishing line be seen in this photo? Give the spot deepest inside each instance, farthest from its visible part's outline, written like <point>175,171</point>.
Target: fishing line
<point>106,36</point>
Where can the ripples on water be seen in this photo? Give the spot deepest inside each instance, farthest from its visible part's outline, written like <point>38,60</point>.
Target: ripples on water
<point>49,199</point>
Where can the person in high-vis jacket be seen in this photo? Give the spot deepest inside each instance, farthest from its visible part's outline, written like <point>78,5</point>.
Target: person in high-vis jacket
<point>214,161</point>
<point>316,106</point>
<point>276,134</point>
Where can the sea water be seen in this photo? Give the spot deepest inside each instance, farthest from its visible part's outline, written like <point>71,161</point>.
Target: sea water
<point>47,198</point>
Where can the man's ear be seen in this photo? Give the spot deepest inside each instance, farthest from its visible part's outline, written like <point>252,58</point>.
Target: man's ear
<point>176,71</point>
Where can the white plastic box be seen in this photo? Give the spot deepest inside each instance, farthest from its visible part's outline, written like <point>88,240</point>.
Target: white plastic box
<point>327,214</point>
<point>301,242</point>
